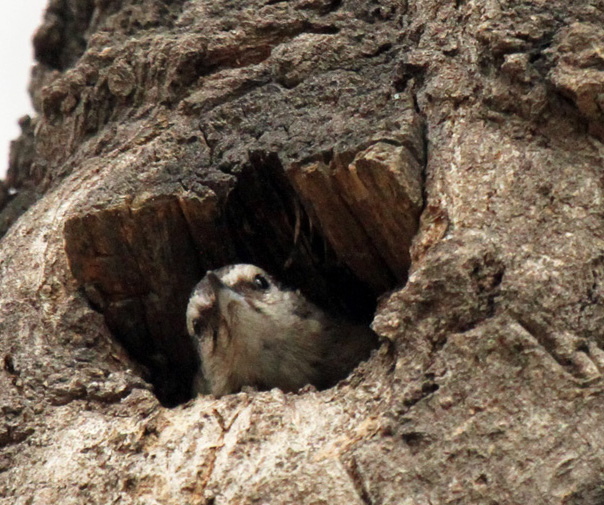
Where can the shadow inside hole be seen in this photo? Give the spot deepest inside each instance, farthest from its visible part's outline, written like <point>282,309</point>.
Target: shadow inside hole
<point>139,265</point>
<point>269,227</point>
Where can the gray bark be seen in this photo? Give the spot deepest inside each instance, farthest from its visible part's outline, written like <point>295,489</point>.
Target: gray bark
<point>434,167</point>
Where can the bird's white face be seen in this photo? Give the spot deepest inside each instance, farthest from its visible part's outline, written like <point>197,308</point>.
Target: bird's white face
<point>230,311</point>
<point>229,291</point>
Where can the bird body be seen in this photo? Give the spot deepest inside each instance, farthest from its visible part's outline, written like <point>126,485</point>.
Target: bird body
<point>250,331</point>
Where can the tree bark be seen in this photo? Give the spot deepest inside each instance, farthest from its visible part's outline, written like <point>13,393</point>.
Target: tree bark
<point>432,167</point>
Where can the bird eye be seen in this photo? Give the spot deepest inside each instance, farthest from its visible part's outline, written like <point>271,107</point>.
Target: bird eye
<point>260,282</point>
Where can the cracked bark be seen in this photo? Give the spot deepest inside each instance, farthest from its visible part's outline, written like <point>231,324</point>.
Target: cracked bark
<point>308,136</point>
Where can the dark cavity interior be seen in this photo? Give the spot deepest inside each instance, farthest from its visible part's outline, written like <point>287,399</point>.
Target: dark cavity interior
<point>138,263</point>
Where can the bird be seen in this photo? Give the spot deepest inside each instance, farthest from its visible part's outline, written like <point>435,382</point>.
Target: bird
<point>251,331</point>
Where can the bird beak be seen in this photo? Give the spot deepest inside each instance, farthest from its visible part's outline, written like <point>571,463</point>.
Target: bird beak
<point>225,296</point>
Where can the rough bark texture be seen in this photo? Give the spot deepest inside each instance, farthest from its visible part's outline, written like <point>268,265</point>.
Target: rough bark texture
<point>308,136</point>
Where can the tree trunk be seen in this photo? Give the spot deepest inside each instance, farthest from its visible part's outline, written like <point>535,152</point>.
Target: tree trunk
<point>432,167</point>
